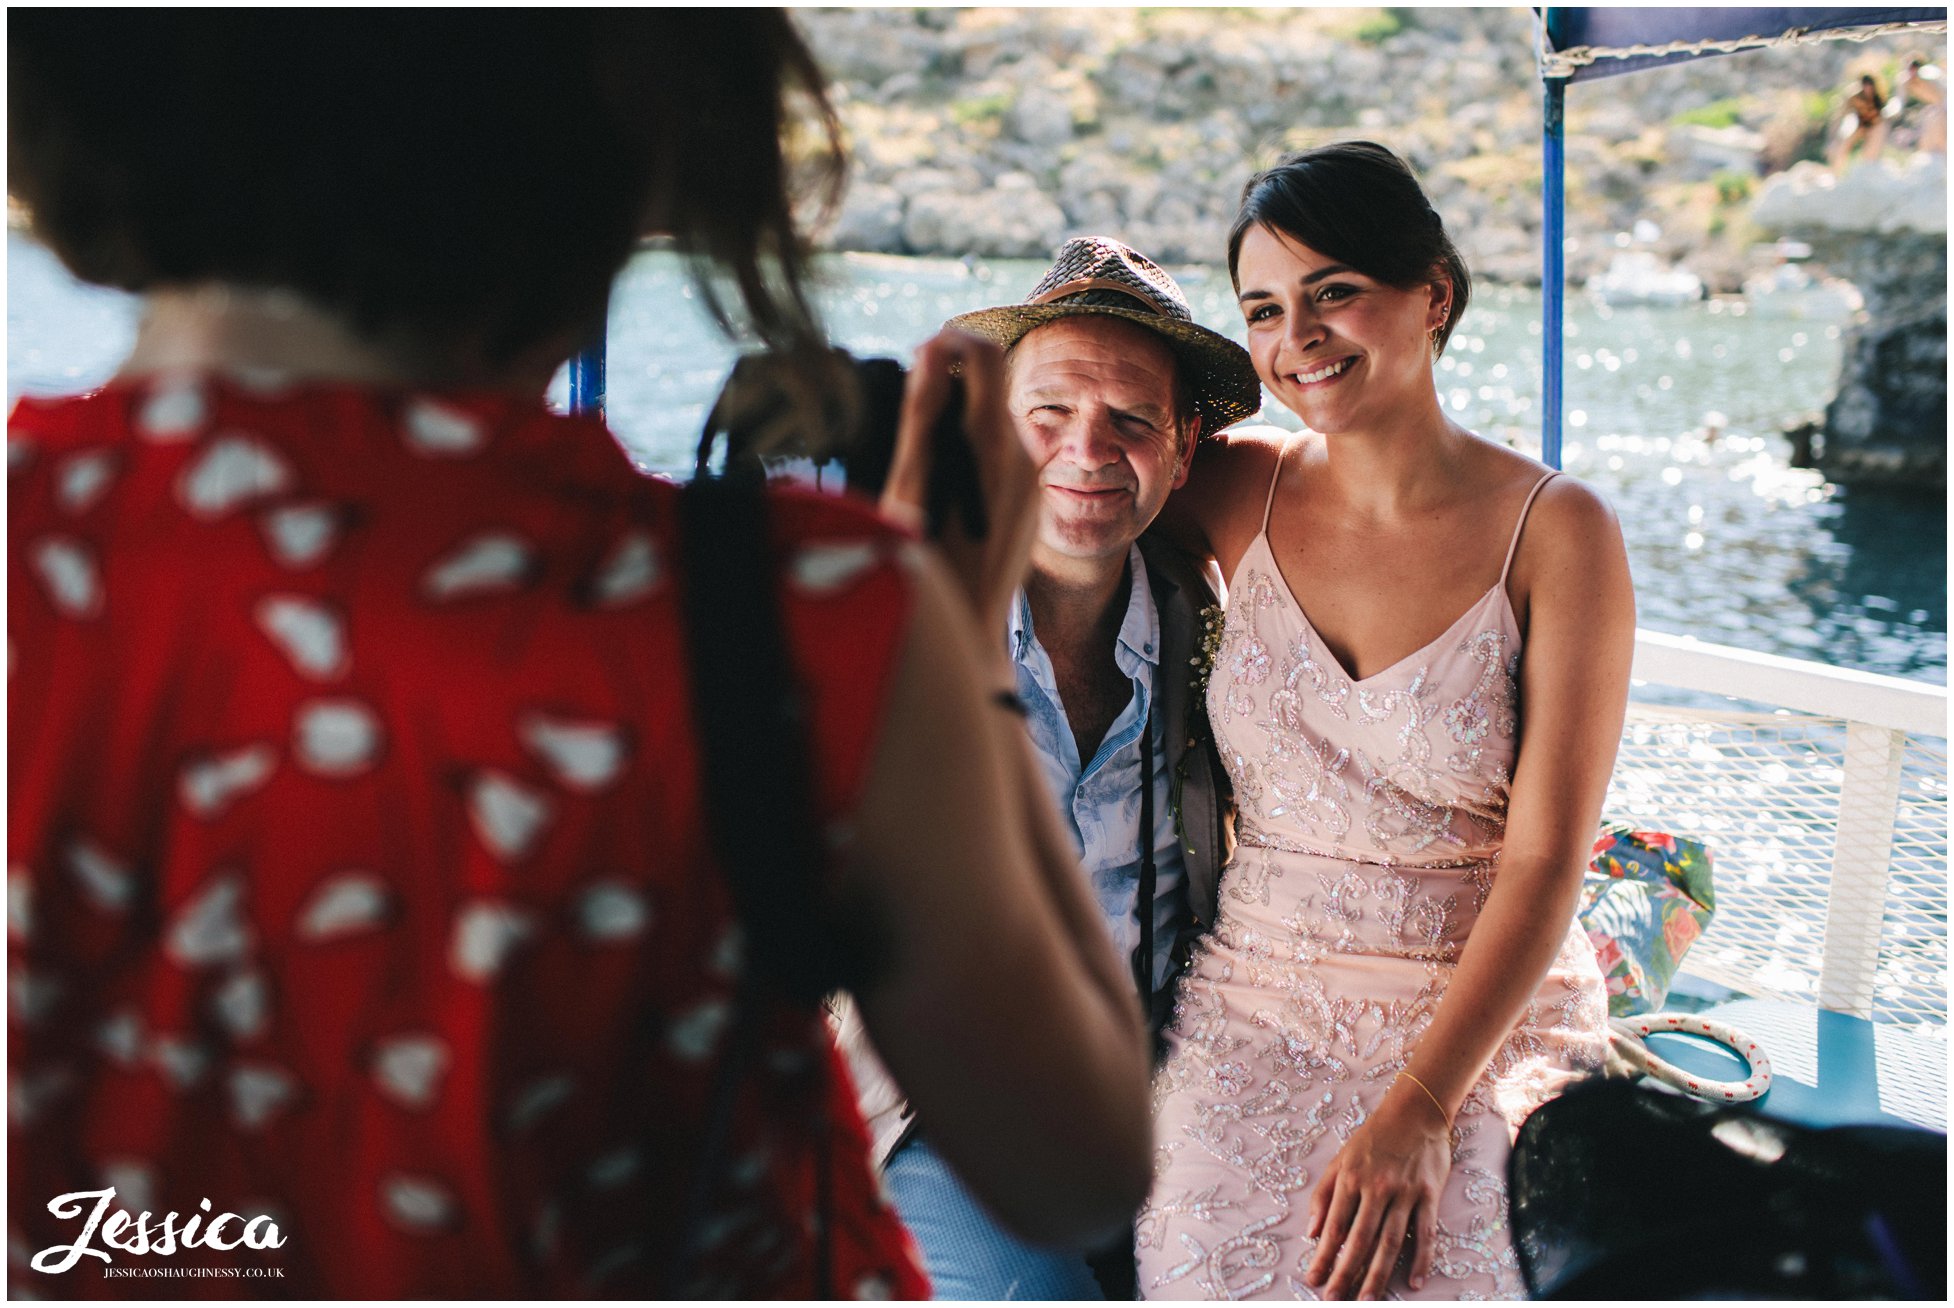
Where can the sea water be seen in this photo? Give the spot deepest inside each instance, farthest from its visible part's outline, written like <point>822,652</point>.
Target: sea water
<point>1673,413</point>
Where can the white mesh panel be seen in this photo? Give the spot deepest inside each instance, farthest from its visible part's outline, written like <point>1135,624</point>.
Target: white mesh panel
<point>1764,792</point>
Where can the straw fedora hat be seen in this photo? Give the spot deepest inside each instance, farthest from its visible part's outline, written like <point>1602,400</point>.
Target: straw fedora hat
<point>1098,275</point>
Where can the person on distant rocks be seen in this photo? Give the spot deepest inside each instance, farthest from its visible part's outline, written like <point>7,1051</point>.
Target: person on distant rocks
<point>1864,125</point>
<point>1922,97</point>
<point>1111,383</point>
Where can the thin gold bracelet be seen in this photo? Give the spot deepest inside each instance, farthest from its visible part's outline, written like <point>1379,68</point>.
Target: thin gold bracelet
<point>1442,1114</point>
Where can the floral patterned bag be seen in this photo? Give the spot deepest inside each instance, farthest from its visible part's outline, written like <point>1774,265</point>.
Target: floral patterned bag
<point>1645,899</point>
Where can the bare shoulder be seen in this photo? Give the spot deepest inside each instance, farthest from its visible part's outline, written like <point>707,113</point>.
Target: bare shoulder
<point>1570,513</point>
<point>1570,543</point>
<point>1572,561</point>
<point>1240,457</point>
<point>1219,508</point>
<point>1565,512</point>
<point>1258,436</point>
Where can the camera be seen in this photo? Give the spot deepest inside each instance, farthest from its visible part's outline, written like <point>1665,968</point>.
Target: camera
<point>831,408</point>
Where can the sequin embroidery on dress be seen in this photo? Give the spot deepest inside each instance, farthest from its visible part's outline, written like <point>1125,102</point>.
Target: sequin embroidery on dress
<point>1370,820</point>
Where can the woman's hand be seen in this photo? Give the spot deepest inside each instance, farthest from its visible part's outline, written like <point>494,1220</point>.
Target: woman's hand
<point>1382,1186</point>
<point>989,571</point>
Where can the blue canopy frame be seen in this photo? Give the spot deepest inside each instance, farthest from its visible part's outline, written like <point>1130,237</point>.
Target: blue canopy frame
<point>1582,44</point>
<point>587,378</point>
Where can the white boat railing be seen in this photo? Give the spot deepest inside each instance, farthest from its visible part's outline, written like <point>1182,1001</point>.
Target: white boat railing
<point>1823,798</point>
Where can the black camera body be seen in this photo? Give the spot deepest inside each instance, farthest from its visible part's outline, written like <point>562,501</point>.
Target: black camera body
<point>837,409</point>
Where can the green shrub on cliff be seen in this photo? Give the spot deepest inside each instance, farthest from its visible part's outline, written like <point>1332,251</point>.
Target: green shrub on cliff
<point>980,109</point>
<point>1732,187</point>
<point>1378,30</point>
<point>1727,112</point>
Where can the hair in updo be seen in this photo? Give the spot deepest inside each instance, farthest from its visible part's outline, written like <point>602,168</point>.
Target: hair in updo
<point>1359,204</point>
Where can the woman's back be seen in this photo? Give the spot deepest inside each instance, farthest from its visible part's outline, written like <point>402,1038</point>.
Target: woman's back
<point>358,873</point>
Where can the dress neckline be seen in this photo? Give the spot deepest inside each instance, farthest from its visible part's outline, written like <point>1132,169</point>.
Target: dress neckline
<point>1262,539</point>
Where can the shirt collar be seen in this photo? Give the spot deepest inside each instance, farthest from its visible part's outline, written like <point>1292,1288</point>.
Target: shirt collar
<point>1139,631</point>
<point>1020,634</point>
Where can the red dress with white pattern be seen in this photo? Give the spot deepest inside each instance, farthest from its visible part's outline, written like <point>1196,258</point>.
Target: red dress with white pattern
<point>357,873</point>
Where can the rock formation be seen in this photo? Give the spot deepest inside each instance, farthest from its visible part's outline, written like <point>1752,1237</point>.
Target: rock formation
<point>1883,226</point>
<point>994,132</point>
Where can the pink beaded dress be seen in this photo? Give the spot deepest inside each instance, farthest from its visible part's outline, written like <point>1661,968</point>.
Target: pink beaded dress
<point>1371,815</point>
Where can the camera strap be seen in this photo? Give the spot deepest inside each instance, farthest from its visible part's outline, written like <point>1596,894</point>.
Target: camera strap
<point>1143,900</point>
<point>755,760</point>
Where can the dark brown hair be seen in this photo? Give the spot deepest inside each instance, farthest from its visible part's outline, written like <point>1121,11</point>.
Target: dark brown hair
<point>1359,204</point>
<point>460,182</point>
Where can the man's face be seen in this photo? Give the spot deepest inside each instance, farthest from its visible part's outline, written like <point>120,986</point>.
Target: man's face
<point>1093,398</point>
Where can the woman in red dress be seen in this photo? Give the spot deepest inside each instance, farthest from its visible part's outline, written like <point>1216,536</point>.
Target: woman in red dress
<point>365,932</point>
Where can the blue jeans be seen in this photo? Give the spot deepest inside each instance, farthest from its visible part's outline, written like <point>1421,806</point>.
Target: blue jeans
<point>968,1254</point>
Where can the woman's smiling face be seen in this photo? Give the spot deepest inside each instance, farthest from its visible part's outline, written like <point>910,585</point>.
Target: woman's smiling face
<point>1340,350</point>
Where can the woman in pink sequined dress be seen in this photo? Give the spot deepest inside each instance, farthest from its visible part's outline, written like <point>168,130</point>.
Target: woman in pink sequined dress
<point>1418,695</point>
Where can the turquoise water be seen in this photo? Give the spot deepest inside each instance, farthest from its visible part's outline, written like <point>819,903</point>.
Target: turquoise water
<point>1727,543</point>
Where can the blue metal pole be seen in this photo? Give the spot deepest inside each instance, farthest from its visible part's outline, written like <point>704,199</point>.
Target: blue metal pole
<point>587,379</point>
<point>1553,251</point>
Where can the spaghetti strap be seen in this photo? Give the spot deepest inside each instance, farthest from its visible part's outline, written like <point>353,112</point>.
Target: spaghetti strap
<point>1519,526</point>
<point>1270,503</point>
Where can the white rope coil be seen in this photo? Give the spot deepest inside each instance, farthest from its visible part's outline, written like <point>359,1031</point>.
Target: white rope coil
<point>1565,63</point>
<point>1630,1056</point>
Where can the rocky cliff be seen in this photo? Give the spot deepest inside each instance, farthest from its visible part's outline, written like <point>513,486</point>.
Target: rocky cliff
<point>1883,225</point>
<point>999,132</point>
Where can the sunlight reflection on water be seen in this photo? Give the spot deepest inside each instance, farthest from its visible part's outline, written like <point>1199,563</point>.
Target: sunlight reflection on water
<point>1727,543</point>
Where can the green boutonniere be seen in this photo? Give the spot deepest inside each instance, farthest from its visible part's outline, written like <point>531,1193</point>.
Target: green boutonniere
<point>1213,622</point>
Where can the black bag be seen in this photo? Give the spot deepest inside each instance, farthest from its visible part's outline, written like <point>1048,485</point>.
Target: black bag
<point>1622,1192</point>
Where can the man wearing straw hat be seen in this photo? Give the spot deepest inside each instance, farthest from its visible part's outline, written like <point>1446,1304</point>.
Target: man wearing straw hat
<point>1111,382</point>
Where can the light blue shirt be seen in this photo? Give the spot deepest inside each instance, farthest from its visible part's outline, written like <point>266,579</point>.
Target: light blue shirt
<point>1099,800</point>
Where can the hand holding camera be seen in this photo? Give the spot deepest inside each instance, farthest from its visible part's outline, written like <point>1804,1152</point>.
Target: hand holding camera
<point>937,448</point>
<point>958,382</point>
